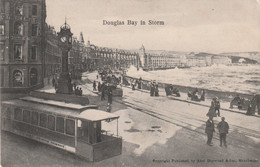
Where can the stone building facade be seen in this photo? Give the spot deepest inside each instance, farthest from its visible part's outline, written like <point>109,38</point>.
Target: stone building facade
<point>101,57</point>
<point>22,27</point>
<point>52,57</point>
<point>151,61</point>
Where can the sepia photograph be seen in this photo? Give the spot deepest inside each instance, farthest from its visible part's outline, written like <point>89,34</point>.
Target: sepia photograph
<point>130,83</point>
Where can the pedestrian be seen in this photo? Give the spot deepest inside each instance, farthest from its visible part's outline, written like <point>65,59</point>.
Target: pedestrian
<point>217,106</point>
<point>56,86</point>
<point>212,109</point>
<point>53,82</point>
<point>133,85</point>
<point>109,95</point>
<point>99,87</point>
<point>210,129</point>
<point>76,91</point>
<point>249,110</point>
<point>97,76</point>
<point>74,86</point>
<point>223,128</point>
<point>94,86</point>
<point>156,90</point>
<point>202,97</point>
<point>103,89</point>
<point>151,89</point>
<point>80,92</point>
<point>140,83</point>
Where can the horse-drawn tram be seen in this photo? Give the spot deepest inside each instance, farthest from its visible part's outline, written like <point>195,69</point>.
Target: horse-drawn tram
<point>72,127</point>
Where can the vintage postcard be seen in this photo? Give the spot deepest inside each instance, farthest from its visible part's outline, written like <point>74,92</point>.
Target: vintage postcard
<point>130,83</point>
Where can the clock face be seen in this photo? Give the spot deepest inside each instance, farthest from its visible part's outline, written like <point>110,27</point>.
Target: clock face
<point>63,39</point>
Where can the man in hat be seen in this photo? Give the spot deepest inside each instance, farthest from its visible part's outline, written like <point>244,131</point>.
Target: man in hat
<point>223,131</point>
<point>210,129</point>
<point>217,106</point>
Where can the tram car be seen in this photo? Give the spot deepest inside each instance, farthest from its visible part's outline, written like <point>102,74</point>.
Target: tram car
<point>73,127</point>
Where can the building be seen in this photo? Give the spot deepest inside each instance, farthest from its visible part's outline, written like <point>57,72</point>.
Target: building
<point>22,26</point>
<point>52,57</point>
<point>76,57</point>
<point>102,57</point>
<point>149,61</point>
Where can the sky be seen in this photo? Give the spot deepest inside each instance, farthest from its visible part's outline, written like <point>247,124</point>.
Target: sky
<point>213,26</point>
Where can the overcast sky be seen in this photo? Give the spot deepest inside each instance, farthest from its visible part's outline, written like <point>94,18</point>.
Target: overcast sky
<point>189,25</point>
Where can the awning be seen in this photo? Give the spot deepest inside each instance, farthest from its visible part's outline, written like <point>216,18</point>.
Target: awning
<point>96,115</point>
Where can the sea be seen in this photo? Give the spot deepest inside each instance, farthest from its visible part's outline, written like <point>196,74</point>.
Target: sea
<point>240,78</point>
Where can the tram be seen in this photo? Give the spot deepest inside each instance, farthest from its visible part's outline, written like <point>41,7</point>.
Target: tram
<point>72,127</point>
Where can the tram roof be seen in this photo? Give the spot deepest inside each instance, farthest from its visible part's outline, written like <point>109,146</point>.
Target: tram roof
<point>87,114</point>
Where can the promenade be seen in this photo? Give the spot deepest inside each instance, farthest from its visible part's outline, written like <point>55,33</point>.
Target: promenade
<point>156,131</point>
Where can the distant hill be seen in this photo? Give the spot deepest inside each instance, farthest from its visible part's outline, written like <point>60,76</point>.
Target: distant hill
<point>249,55</point>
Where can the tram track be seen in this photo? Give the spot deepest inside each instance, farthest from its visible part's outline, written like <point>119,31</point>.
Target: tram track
<point>186,117</point>
<point>141,106</point>
<point>243,130</point>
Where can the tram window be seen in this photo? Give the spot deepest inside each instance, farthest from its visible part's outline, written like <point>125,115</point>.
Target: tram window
<point>60,124</point>
<point>70,127</point>
<point>34,118</point>
<point>18,114</point>
<point>26,116</point>
<point>51,122</point>
<point>43,120</point>
<point>7,113</point>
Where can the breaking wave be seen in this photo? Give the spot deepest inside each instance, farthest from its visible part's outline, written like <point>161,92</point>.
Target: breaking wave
<point>235,78</point>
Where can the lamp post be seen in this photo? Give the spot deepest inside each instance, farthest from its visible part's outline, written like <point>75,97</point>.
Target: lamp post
<point>65,44</point>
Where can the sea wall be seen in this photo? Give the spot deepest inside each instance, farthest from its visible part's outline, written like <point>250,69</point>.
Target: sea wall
<point>222,95</point>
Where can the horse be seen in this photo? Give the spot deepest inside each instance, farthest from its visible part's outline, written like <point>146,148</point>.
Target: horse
<point>255,102</point>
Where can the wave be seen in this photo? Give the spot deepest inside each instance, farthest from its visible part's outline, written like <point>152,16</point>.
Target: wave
<point>257,82</point>
<point>217,77</point>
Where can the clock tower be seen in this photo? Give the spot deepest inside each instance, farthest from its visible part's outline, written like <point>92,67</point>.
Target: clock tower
<point>65,44</point>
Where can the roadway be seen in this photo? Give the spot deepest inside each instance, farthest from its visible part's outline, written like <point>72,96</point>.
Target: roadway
<point>156,131</point>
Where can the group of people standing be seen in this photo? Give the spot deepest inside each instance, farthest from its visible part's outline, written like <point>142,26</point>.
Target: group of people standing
<point>137,82</point>
<point>223,128</point>
<point>77,90</point>
<point>104,89</point>
<point>154,88</point>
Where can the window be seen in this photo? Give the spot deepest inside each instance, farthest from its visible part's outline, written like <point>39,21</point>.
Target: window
<point>33,76</point>
<point>43,120</point>
<point>51,122</point>
<point>17,78</point>
<point>34,52</point>
<point>26,116</point>
<point>18,52</point>
<point>7,113</point>
<point>34,10</point>
<point>35,118</point>
<point>70,127</point>
<point>18,28</point>
<point>18,114</point>
<point>60,124</point>
<point>34,29</point>
<point>2,29</point>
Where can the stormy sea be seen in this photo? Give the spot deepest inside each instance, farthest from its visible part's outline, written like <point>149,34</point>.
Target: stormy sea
<point>240,78</point>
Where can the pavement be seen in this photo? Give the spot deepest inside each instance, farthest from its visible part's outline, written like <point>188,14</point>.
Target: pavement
<point>156,131</point>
